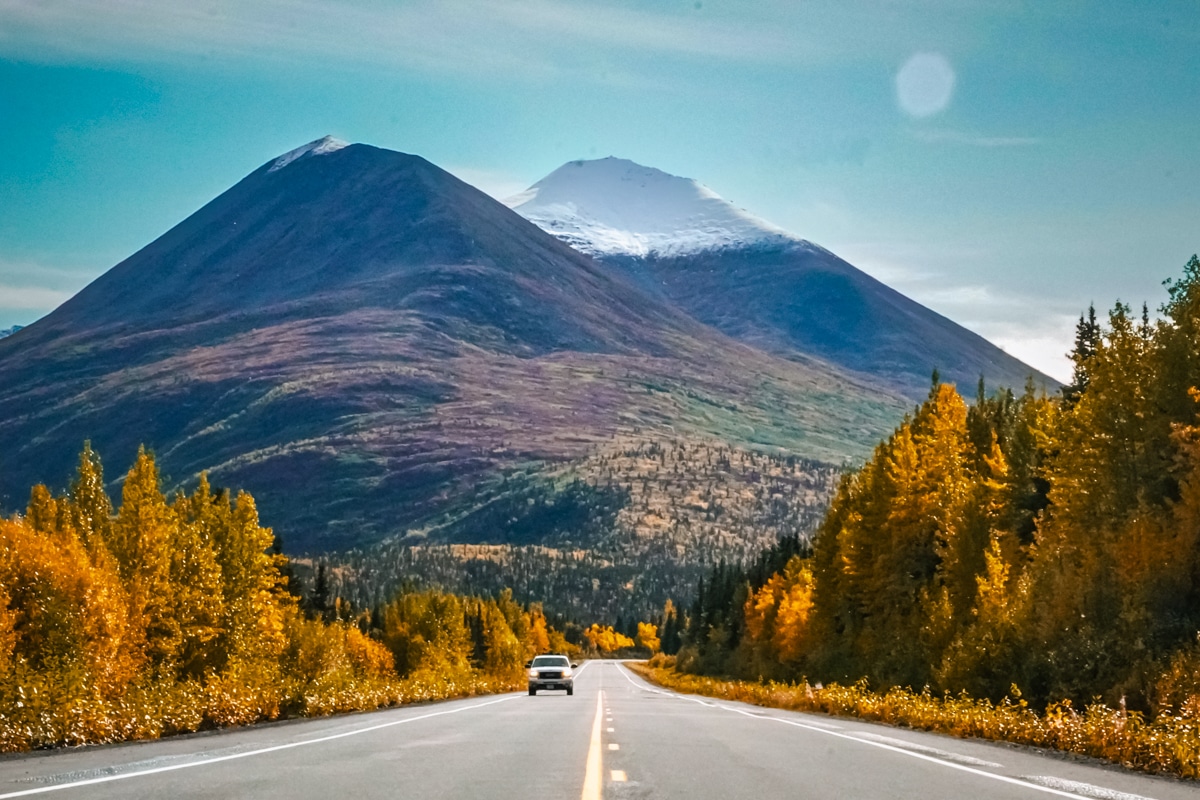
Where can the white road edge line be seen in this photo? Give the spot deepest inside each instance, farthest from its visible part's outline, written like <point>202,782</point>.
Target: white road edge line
<point>202,762</point>
<point>881,745</point>
<point>592,774</point>
<point>1097,792</point>
<point>206,761</point>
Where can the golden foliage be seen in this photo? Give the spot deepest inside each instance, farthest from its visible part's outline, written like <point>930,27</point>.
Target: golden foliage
<point>1169,744</point>
<point>604,639</point>
<point>777,616</point>
<point>647,637</point>
<point>167,616</point>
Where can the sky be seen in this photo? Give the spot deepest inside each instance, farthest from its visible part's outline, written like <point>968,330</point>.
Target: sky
<point>1005,163</point>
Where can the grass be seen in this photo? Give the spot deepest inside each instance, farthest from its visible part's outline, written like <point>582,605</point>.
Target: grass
<point>1164,745</point>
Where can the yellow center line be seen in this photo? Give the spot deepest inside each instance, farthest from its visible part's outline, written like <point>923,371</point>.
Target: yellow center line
<point>593,775</point>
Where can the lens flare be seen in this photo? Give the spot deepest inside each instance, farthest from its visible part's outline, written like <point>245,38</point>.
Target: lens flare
<point>925,84</point>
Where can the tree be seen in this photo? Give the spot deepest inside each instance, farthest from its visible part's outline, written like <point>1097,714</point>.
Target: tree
<point>90,507</point>
<point>196,582</point>
<point>140,540</point>
<point>1087,337</point>
<point>647,637</point>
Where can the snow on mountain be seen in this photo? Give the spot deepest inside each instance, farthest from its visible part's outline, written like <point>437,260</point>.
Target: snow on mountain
<point>612,206</point>
<point>318,147</point>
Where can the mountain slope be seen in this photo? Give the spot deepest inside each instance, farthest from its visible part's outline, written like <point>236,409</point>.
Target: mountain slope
<point>679,240</point>
<point>373,347</point>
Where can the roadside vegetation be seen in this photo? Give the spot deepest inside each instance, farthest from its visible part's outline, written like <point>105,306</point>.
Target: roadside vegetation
<point>172,614</point>
<point>1032,547</point>
<point>1167,744</point>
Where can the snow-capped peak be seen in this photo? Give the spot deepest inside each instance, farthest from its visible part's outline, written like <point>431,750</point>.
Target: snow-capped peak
<point>612,206</point>
<point>319,147</point>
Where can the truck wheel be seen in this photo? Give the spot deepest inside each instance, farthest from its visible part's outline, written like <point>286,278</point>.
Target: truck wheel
<point>570,690</point>
<point>532,691</point>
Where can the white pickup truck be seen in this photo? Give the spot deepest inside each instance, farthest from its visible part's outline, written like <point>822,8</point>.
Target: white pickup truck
<point>551,672</point>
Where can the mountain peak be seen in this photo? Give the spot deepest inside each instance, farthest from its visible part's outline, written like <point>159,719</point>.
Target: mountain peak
<point>317,147</point>
<point>614,206</point>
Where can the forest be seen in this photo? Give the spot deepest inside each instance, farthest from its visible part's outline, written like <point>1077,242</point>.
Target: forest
<point>168,614</point>
<point>1020,547</point>
<point>609,537</point>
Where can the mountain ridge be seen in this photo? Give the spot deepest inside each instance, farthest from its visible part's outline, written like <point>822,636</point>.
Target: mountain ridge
<point>758,284</point>
<point>367,343</point>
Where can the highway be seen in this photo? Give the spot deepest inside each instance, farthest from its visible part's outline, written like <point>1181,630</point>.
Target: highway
<point>617,737</point>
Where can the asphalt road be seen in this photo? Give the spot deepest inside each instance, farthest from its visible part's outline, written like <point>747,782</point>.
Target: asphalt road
<point>617,737</point>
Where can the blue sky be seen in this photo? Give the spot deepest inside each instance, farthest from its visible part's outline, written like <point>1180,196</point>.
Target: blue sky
<point>1005,163</point>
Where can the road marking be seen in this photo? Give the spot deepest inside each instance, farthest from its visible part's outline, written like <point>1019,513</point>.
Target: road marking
<point>614,746</point>
<point>1025,782</point>
<point>609,730</point>
<point>595,759</point>
<point>618,776</point>
<point>206,761</point>
<point>933,751</point>
<point>1087,789</point>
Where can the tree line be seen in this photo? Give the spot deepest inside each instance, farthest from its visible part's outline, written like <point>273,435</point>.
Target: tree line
<point>173,613</point>
<point>1047,546</point>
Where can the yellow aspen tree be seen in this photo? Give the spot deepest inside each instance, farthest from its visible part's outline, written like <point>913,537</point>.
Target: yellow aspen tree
<point>984,658</point>
<point>254,614</point>
<point>369,658</point>
<point>42,513</point>
<point>140,541</point>
<point>503,652</point>
<point>63,650</point>
<point>196,582</point>
<point>8,634</point>
<point>759,614</point>
<point>514,614</point>
<point>972,520</point>
<point>647,636</point>
<point>538,638</point>
<point>90,507</point>
<point>790,638</point>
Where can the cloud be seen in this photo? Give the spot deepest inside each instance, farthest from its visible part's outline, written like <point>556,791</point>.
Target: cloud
<point>495,183</point>
<point>29,289</point>
<point>972,139</point>
<point>524,38</point>
<point>503,39</point>
<point>31,298</point>
<point>1037,329</point>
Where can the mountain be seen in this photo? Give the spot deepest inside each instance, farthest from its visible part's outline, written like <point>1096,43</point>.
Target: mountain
<point>614,207</point>
<point>9,331</point>
<point>377,350</point>
<point>683,243</point>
